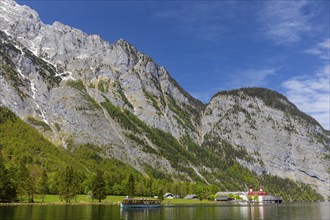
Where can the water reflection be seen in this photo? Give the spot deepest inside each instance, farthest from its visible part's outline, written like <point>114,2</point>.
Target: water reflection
<point>113,212</point>
<point>140,213</point>
<point>237,211</point>
<point>259,211</point>
<point>254,211</point>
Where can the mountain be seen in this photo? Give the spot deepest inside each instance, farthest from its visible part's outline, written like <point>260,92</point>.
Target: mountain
<point>79,90</point>
<point>281,139</point>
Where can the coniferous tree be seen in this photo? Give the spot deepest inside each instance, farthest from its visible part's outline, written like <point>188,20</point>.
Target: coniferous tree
<point>98,186</point>
<point>3,181</point>
<point>20,183</point>
<point>7,189</point>
<point>25,183</point>
<point>43,184</point>
<point>30,187</point>
<point>68,184</point>
<point>131,185</point>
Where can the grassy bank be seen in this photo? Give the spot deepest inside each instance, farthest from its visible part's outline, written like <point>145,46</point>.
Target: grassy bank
<point>79,199</point>
<point>186,202</point>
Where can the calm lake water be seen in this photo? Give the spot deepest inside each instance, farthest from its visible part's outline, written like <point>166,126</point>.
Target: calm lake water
<point>113,212</point>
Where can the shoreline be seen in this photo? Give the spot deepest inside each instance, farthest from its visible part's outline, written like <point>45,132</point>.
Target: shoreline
<point>164,204</point>
<point>57,203</point>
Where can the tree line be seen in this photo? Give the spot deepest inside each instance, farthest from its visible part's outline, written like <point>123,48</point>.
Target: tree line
<point>21,184</point>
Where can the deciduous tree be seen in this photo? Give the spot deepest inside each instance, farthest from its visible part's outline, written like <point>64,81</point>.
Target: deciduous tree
<point>69,184</point>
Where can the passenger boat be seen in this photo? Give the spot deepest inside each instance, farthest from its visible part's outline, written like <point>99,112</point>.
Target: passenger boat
<point>140,203</point>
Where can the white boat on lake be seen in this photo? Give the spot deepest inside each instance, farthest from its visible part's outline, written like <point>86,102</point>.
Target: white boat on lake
<point>140,203</point>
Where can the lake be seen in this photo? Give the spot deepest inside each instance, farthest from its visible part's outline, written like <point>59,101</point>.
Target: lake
<point>113,212</point>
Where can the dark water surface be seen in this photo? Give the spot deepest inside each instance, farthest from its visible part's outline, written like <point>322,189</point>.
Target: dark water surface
<point>112,212</point>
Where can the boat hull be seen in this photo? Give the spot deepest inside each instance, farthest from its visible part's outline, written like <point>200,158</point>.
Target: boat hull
<point>132,206</point>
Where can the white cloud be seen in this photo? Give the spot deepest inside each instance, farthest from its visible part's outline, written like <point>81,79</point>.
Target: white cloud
<point>321,49</point>
<point>285,22</point>
<point>311,94</point>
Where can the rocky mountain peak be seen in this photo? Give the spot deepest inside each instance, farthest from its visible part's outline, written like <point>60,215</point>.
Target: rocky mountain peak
<point>124,75</point>
<point>19,20</point>
<point>125,44</point>
<point>271,99</point>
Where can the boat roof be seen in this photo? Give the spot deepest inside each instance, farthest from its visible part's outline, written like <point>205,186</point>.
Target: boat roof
<point>140,199</point>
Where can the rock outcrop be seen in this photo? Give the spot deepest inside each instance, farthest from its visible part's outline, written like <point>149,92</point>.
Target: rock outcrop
<point>283,140</point>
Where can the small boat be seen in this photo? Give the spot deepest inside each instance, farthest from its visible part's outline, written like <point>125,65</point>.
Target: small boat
<point>140,203</point>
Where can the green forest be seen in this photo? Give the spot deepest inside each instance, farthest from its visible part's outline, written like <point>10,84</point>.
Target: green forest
<point>31,165</point>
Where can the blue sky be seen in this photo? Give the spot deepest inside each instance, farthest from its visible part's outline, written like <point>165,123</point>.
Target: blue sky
<point>209,46</point>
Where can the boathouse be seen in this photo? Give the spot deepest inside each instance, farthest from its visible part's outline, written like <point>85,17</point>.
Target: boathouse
<point>168,196</point>
<point>223,199</point>
<point>272,199</point>
<point>261,193</point>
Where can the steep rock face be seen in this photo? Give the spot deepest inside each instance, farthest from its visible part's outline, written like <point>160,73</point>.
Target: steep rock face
<point>25,79</point>
<point>63,110</point>
<point>61,78</point>
<point>126,76</point>
<point>281,139</point>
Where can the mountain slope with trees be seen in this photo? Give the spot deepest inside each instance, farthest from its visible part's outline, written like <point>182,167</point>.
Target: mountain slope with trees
<point>68,173</point>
